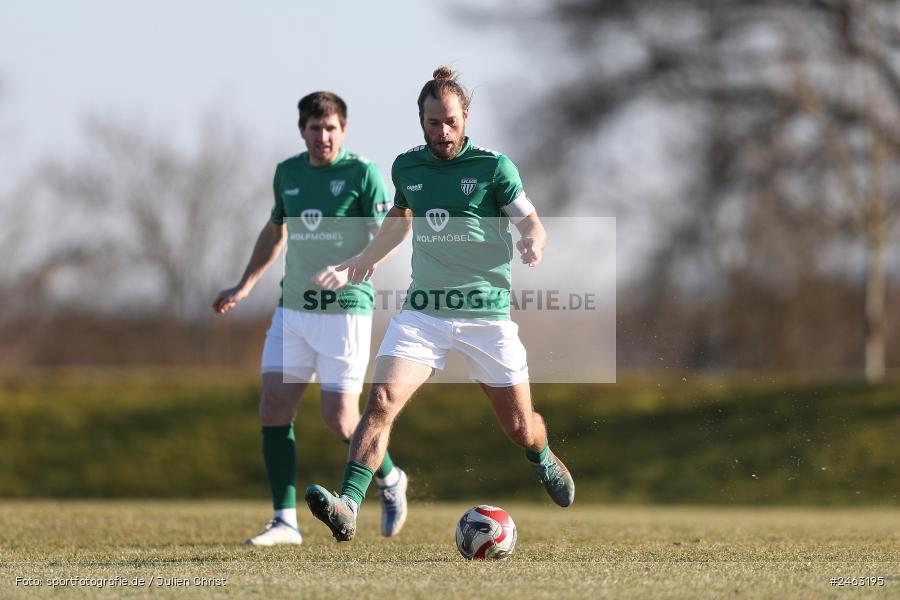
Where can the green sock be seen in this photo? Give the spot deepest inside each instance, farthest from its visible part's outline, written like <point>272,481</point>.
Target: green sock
<point>280,455</point>
<point>386,465</point>
<point>357,478</point>
<point>538,457</point>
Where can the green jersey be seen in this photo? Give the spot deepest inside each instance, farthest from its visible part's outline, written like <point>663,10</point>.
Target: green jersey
<point>329,211</point>
<point>462,246</point>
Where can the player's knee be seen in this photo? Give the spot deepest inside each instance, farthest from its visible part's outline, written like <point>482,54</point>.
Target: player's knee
<point>381,407</point>
<point>342,425</point>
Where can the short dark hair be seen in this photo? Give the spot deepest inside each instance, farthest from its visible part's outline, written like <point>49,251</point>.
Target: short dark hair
<point>319,105</point>
<point>444,83</point>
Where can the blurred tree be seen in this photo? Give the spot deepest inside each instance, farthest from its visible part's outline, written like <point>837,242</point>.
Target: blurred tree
<point>789,132</point>
<point>27,267</point>
<point>170,224</point>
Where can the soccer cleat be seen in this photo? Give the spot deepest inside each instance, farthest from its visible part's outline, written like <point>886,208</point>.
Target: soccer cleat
<point>277,531</point>
<point>393,506</point>
<point>556,479</point>
<point>338,512</point>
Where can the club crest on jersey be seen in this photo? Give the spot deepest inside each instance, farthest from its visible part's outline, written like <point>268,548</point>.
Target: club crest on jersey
<point>337,186</point>
<point>468,185</point>
<point>437,218</point>
<point>311,217</point>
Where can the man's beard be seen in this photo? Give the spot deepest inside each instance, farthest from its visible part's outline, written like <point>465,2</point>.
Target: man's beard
<point>448,154</point>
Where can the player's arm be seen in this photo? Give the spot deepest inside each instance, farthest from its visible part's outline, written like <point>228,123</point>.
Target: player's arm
<point>268,246</point>
<point>391,234</point>
<point>373,202</point>
<point>534,239</point>
<point>512,200</point>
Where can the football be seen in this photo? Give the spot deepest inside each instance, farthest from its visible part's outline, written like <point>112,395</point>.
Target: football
<point>486,532</point>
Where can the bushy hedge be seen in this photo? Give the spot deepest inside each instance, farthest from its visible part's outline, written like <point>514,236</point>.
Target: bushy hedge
<point>170,434</point>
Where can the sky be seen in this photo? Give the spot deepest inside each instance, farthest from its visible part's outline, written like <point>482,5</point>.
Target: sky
<point>164,65</point>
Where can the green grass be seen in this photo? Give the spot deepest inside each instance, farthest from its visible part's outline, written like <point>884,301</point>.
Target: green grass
<point>184,434</point>
<point>585,551</point>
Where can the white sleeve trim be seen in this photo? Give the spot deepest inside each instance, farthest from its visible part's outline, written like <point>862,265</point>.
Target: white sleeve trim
<point>519,208</point>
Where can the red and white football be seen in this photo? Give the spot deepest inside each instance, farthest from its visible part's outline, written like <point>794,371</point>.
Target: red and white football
<point>486,532</point>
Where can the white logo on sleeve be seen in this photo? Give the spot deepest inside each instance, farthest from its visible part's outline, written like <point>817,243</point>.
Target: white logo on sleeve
<point>468,185</point>
<point>292,192</point>
<point>337,186</point>
<point>437,218</point>
<point>311,217</point>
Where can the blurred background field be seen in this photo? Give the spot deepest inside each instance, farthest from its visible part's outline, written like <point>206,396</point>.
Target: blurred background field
<point>195,434</point>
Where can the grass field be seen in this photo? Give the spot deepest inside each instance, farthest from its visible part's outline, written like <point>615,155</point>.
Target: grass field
<point>581,552</point>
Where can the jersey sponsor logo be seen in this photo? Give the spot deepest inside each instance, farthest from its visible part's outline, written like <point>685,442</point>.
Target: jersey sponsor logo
<point>444,237</point>
<point>468,185</point>
<point>321,236</point>
<point>292,192</point>
<point>337,186</point>
<point>311,217</point>
<point>415,149</point>
<point>415,188</point>
<point>437,218</point>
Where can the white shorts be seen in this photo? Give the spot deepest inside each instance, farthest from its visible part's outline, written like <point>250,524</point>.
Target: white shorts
<point>492,349</point>
<point>335,347</point>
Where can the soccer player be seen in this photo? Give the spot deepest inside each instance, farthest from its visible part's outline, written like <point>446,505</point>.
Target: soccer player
<point>328,202</point>
<point>459,200</point>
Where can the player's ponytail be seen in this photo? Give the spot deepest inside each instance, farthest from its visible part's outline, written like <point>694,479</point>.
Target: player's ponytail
<point>444,83</point>
<point>443,73</point>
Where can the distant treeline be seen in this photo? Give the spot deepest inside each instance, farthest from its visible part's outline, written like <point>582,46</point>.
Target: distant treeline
<point>163,434</point>
<point>811,325</point>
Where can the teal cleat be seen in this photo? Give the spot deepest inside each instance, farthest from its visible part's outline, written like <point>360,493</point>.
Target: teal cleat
<point>556,479</point>
<point>338,512</point>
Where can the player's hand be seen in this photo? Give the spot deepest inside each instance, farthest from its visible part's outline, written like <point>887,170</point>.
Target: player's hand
<point>228,298</point>
<point>530,252</point>
<point>358,268</point>
<point>330,278</point>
